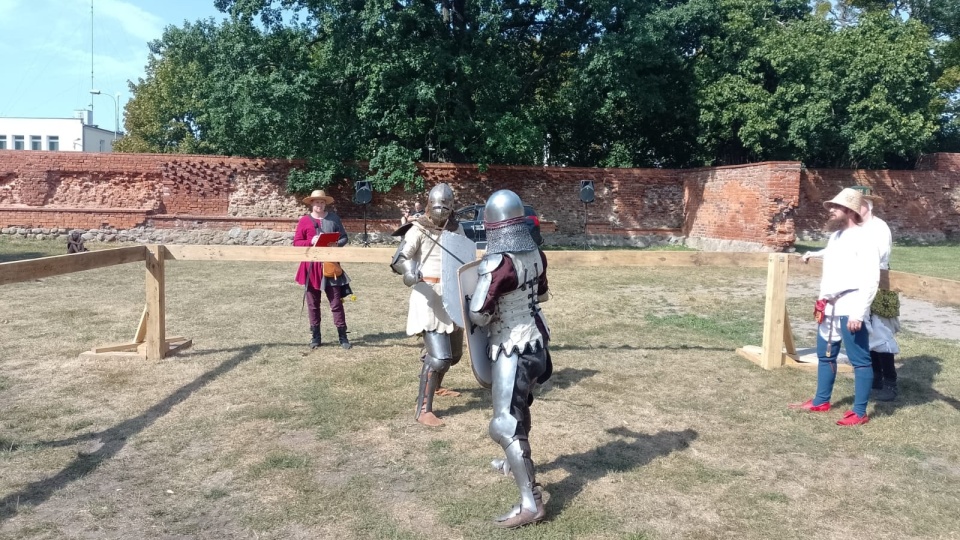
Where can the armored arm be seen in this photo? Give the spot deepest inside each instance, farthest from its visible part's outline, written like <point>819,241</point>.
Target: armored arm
<point>404,263</point>
<point>543,289</point>
<point>477,314</point>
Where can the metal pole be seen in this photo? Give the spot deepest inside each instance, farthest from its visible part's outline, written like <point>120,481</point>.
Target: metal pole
<point>116,110</point>
<point>116,116</point>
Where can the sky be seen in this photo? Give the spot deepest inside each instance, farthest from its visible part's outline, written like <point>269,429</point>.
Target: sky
<point>45,52</point>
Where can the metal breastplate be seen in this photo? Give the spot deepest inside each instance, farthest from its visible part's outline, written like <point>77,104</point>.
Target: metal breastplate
<point>514,326</point>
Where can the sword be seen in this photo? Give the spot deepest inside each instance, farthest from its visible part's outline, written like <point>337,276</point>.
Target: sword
<point>438,244</point>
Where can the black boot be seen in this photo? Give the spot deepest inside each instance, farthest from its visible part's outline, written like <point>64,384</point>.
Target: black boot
<point>889,392</point>
<point>344,342</point>
<point>315,342</point>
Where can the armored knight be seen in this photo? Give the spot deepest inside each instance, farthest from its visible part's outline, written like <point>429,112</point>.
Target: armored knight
<point>506,301</point>
<point>418,260</point>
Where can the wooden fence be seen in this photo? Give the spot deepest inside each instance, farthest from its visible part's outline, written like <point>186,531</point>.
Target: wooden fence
<point>150,339</point>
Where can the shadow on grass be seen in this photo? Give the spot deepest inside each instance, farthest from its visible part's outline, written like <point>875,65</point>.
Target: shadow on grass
<point>480,397</point>
<point>369,339</point>
<point>12,257</point>
<point>678,347</point>
<point>112,440</point>
<point>567,377</point>
<point>915,380</point>
<point>632,451</point>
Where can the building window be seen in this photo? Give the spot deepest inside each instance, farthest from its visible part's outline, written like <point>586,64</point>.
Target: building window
<point>36,143</point>
<point>18,142</point>
<point>101,144</point>
<point>53,142</point>
<point>3,142</point>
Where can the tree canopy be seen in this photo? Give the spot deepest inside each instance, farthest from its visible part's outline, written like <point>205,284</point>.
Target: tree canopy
<point>625,83</point>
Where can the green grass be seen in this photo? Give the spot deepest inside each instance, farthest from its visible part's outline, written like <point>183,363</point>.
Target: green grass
<point>651,428</point>
<point>936,260</point>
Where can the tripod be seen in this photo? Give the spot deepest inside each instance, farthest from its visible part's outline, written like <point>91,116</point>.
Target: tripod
<point>586,241</point>
<point>366,240</point>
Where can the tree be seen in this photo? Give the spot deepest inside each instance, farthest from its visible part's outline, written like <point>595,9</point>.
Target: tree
<point>577,82</point>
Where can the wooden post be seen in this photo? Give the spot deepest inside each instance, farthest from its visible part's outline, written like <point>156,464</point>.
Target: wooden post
<point>156,318</point>
<point>788,342</point>
<point>774,312</point>
<point>141,334</point>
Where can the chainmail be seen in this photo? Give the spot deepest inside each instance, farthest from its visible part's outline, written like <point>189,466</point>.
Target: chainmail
<point>512,238</point>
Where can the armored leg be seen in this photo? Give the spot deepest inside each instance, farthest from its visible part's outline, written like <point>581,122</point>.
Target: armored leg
<point>513,378</point>
<point>456,345</point>
<point>436,362</point>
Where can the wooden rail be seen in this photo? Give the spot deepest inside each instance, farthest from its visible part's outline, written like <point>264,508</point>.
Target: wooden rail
<point>150,339</point>
<point>778,347</point>
<point>44,267</point>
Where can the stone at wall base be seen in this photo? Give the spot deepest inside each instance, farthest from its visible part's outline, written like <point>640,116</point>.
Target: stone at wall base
<point>716,244</point>
<point>929,237</point>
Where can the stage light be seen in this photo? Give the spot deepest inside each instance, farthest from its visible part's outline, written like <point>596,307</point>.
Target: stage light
<point>364,193</point>
<point>586,191</point>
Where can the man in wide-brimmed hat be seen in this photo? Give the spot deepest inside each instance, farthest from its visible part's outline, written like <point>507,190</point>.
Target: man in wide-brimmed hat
<point>316,276</point>
<point>884,321</point>
<point>851,274</point>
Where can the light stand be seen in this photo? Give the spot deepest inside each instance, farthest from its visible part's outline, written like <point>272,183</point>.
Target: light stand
<point>586,196</point>
<point>586,242</point>
<point>363,194</point>
<point>366,241</point>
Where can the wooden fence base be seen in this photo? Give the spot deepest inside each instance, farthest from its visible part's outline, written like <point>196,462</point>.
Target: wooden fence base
<point>805,359</point>
<point>135,351</point>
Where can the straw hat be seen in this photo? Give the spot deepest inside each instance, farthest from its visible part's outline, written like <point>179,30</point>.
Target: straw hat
<point>867,193</point>
<point>318,195</point>
<point>848,198</point>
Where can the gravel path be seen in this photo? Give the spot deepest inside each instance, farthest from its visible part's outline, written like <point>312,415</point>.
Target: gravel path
<point>917,316</point>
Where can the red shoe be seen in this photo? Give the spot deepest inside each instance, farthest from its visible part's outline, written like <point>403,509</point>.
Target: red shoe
<point>850,418</point>
<point>809,406</point>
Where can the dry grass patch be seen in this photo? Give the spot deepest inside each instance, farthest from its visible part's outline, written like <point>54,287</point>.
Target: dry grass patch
<point>652,427</point>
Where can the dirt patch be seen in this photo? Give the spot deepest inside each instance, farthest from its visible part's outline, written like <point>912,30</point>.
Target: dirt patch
<point>918,316</point>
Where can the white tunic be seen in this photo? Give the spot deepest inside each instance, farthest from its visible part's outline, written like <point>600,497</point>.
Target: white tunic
<point>851,260</point>
<point>426,313</point>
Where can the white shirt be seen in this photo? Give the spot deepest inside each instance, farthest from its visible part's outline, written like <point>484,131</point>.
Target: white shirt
<point>882,330</point>
<point>878,231</point>
<point>851,260</point>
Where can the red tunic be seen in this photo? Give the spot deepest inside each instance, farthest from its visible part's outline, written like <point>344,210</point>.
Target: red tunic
<point>305,232</point>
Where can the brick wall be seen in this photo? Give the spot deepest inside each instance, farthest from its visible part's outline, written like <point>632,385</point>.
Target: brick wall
<point>757,205</point>
<point>627,200</point>
<point>922,204</point>
<point>940,162</point>
<point>744,203</point>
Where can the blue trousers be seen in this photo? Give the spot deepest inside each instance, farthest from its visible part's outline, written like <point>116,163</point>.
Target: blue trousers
<point>857,345</point>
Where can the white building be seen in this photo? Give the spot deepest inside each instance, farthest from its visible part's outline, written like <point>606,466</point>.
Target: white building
<point>58,134</point>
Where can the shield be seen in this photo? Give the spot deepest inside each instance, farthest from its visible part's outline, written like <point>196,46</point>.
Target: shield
<point>475,336</point>
<point>456,251</point>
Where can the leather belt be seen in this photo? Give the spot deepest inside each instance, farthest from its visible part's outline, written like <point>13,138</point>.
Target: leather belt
<point>429,279</point>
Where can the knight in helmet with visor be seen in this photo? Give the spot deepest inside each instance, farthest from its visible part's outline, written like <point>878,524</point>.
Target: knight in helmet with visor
<point>512,283</point>
<point>418,260</point>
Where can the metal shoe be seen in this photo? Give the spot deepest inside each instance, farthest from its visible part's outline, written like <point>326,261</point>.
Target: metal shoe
<point>519,516</point>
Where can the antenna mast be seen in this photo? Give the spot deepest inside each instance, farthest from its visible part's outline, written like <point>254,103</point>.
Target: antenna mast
<point>91,60</point>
